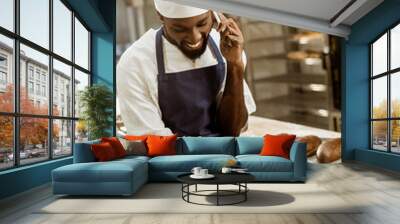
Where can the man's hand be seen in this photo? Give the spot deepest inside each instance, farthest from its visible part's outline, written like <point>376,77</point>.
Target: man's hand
<point>231,43</point>
<point>232,112</point>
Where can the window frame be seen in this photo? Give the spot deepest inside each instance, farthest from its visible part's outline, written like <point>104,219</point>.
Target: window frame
<point>388,74</point>
<point>6,61</point>
<point>3,74</point>
<point>3,69</point>
<point>16,115</point>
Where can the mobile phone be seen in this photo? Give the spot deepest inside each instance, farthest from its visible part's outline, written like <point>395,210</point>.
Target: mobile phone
<point>216,16</point>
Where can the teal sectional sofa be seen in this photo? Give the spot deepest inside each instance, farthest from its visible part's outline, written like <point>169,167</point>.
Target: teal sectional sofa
<point>125,176</point>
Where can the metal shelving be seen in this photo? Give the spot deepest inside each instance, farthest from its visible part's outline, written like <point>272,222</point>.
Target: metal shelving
<point>288,72</point>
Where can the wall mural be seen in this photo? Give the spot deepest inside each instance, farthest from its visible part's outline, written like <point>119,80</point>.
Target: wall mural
<point>292,75</point>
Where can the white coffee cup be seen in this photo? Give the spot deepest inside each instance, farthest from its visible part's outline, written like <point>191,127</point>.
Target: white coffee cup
<point>226,170</point>
<point>196,170</point>
<point>203,172</point>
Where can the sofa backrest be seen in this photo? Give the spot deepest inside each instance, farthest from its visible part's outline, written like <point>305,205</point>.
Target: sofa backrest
<point>249,145</point>
<point>206,145</point>
<point>83,152</point>
<point>190,146</point>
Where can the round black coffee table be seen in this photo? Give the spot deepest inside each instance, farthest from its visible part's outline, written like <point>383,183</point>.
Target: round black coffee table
<point>238,179</point>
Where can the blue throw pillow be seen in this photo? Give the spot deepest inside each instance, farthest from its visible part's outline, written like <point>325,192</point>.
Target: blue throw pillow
<point>249,145</point>
<point>83,152</point>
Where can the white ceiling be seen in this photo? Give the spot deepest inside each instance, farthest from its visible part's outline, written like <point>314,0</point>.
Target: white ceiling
<point>315,15</point>
<point>322,9</point>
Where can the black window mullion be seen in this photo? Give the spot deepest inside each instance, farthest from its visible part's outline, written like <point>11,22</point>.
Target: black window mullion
<point>73,82</point>
<point>371,137</point>
<point>380,75</point>
<point>389,106</point>
<point>6,32</point>
<point>84,70</point>
<point>50,87</point>
<point>89,52</point>
<point>36,116</point>
<point>42,49</point>
<point>16,84</point>
<point>50,53</point>
<point>90,62</point>
<point>383,119</point>
<point>386,73</point>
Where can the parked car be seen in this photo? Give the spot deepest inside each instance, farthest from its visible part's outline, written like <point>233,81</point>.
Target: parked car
<point>22,155</point>
<point>57,152</point>
<point>10,156</point>
<point>25,154</point>
<point>3,157</point>
<point>36,154</point>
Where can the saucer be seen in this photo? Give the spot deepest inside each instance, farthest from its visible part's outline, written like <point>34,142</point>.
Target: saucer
<point>208,176</point>
<point>240,171</point>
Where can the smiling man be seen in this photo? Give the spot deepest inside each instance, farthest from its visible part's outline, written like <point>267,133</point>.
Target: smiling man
<point>185,78</point>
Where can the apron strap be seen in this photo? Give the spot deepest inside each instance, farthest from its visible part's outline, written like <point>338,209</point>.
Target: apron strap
<point>215,50</point>
<point>159,52</point>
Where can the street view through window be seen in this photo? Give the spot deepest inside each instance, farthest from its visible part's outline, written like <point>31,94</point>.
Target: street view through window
<point>39,113</point>
<point>385,82</point>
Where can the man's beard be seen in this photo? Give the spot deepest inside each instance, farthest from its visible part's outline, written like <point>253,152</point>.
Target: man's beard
<point>194,54</point>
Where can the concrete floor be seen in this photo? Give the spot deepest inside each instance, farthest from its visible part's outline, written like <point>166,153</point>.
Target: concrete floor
<point>377,188</point>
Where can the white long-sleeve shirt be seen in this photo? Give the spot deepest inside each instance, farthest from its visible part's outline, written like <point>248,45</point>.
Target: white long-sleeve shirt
<point>137,91</point>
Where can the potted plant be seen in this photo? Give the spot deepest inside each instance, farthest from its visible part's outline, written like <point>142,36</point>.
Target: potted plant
<point>96,103</point>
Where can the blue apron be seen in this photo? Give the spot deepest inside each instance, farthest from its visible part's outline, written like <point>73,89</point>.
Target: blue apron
<point>188,99</point>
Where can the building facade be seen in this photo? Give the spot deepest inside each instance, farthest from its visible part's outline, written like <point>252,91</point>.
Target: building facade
<point>34,81</point>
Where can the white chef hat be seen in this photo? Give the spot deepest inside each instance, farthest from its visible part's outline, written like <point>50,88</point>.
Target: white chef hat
<point>175,10</point>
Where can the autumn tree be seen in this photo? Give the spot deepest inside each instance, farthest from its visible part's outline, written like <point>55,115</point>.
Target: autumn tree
<point>6,122</point>
<point>395,123</point>
<point>33,131</point>
<point>380,127</point>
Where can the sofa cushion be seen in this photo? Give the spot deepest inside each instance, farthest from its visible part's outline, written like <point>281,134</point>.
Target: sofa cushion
<point>131,158</point>
<point>249,145</point>
<point>111,171</point>
<point>257,163</point>
<point>185,163</point>
<point>207,145</point>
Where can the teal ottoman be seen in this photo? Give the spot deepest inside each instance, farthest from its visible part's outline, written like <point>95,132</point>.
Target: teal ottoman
<point>118,177</point>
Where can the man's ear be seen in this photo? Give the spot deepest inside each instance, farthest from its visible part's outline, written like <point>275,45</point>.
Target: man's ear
<point>160,17</point>
<point>214,21</point>
<point>210,13</point>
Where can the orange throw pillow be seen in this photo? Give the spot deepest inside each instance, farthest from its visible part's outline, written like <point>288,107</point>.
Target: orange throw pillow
<point>277,145</point>
<point>116,145</point>
<point>161,145</point>
<point>136,137</point>
<point>103,152</point>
